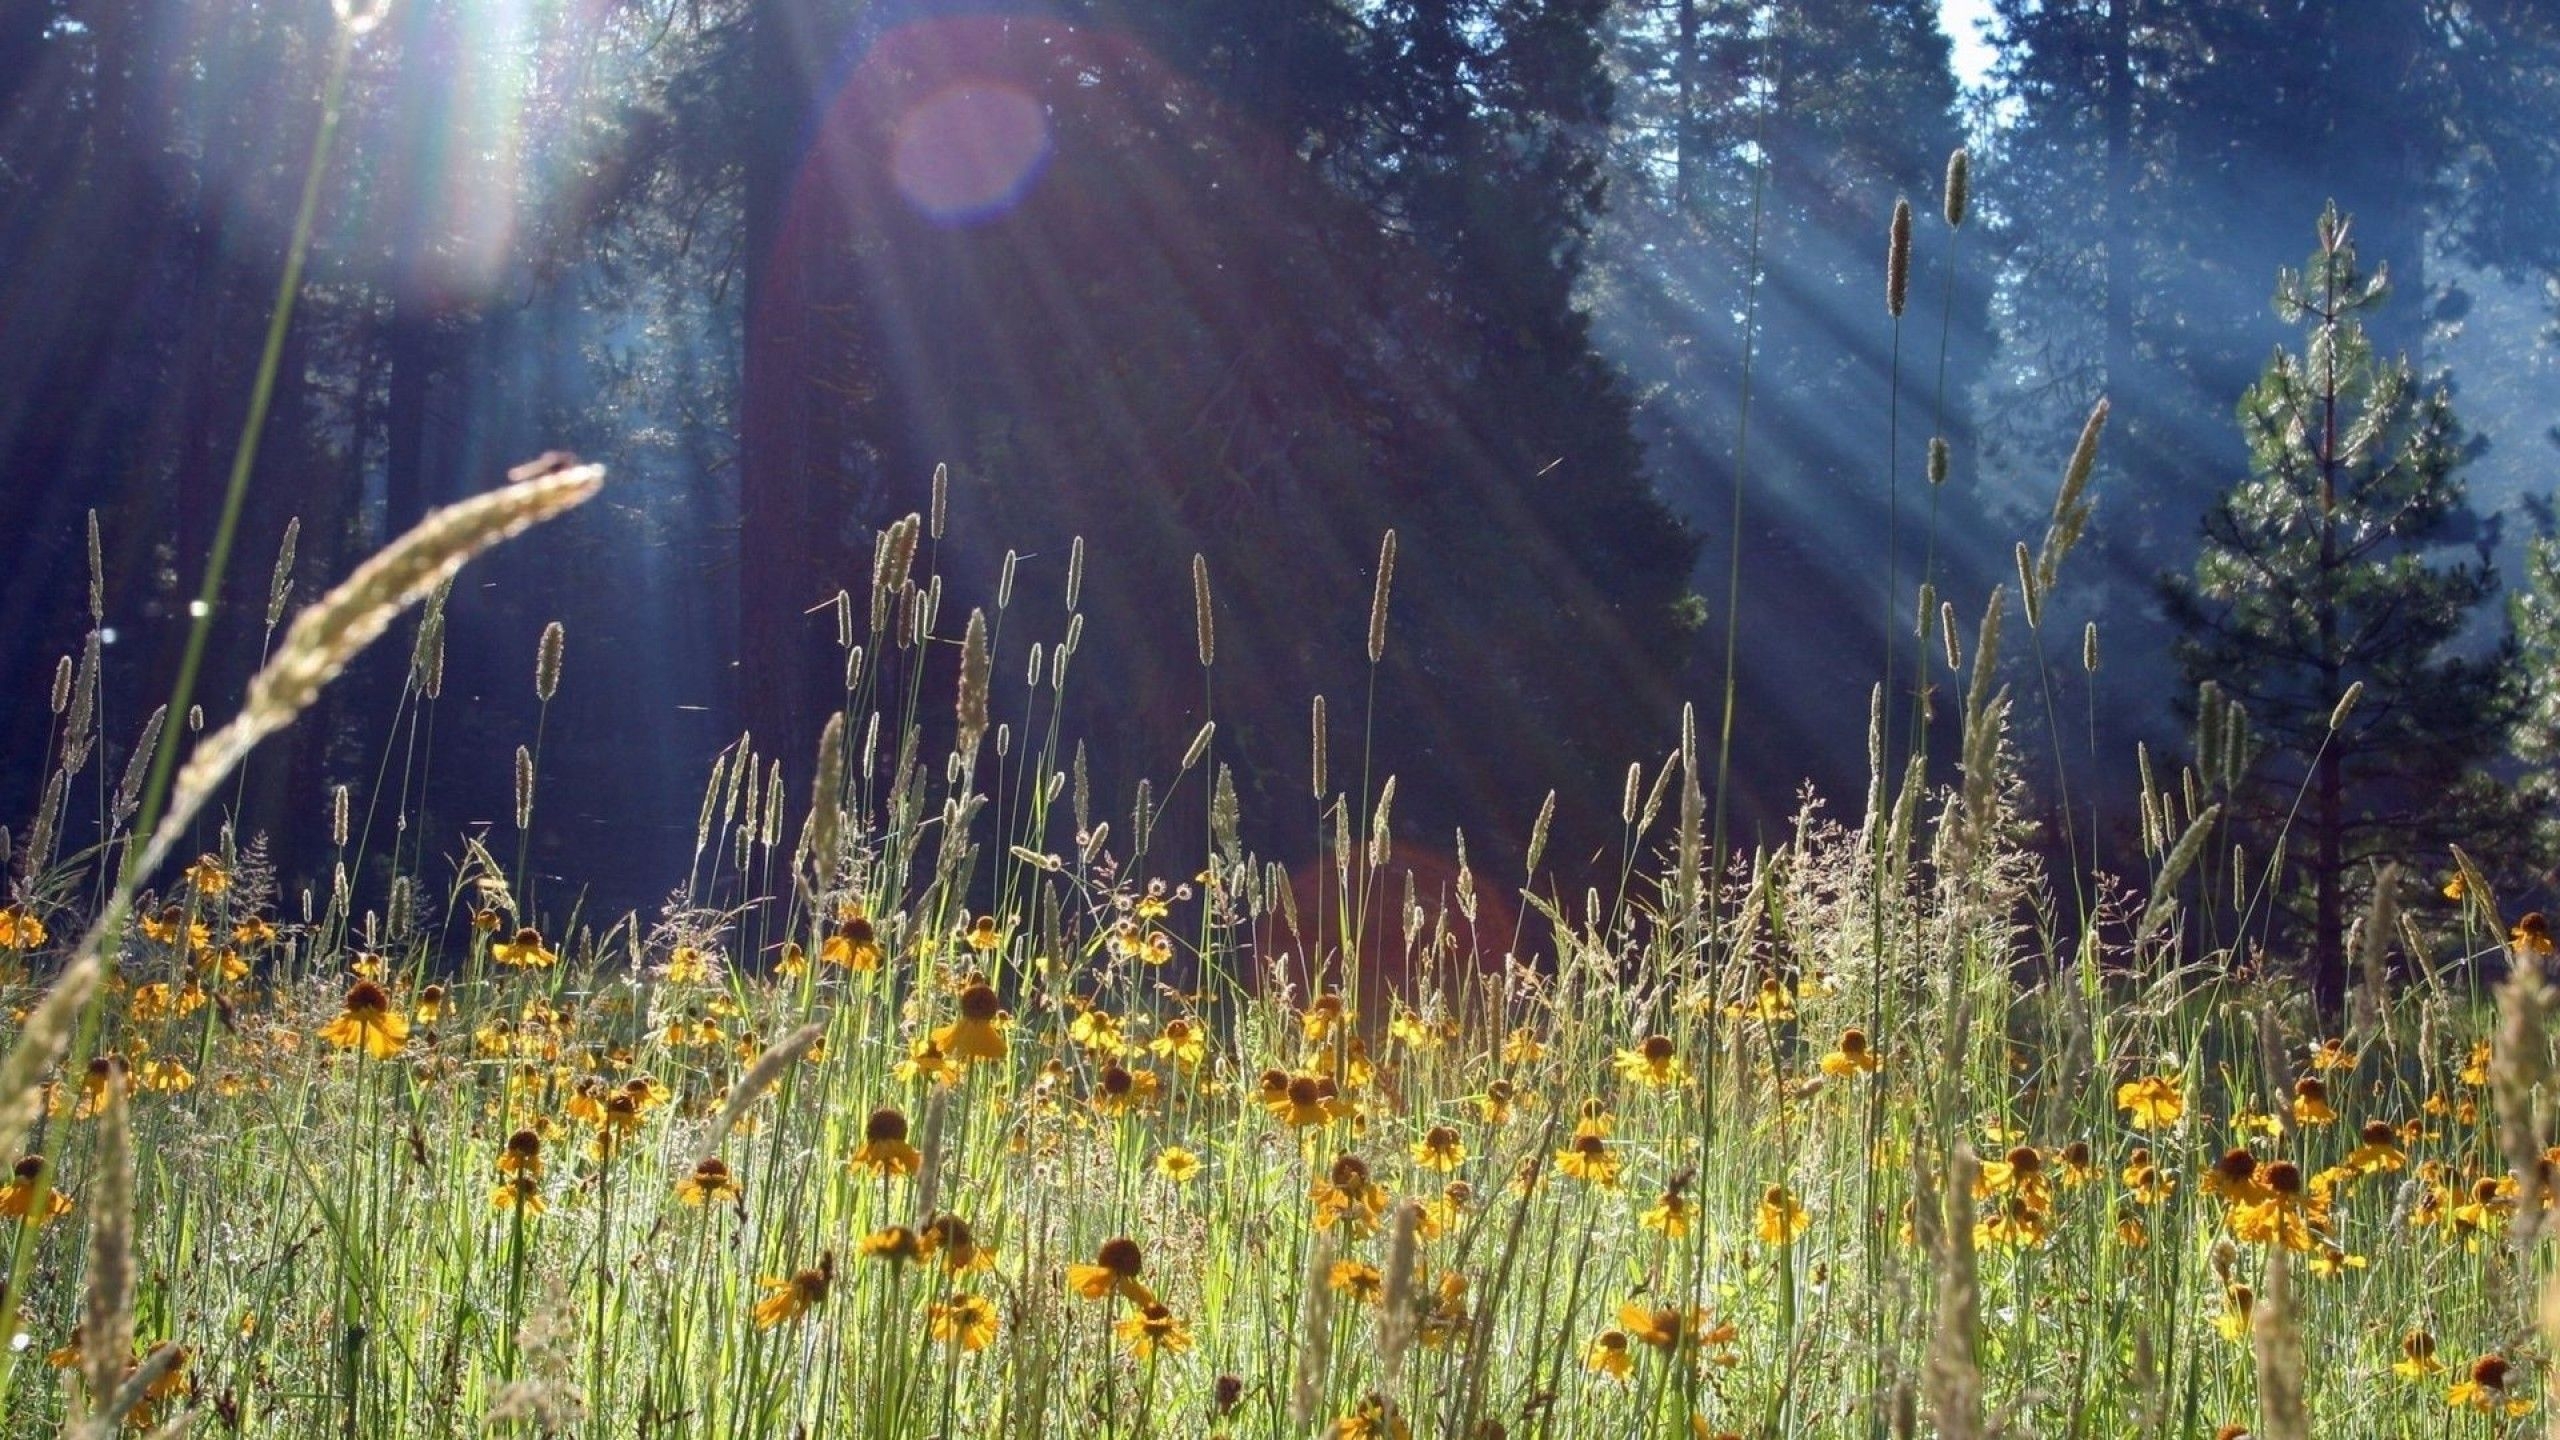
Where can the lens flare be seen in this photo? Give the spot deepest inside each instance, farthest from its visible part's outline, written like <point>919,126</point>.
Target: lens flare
<point>969,150</point>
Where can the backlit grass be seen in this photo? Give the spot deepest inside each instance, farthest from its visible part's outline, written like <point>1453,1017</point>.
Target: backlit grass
<point>948,1112</point>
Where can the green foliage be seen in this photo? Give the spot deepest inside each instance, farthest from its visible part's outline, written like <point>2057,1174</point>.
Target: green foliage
<point>2315,576</point>
<point>2533,613</point>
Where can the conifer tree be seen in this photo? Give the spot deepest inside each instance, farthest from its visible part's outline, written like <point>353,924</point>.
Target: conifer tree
<point>2533,612</point>
<point>2315,578</point>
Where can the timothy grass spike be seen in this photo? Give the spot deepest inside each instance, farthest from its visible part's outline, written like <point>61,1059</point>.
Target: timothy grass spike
<point>1897,269</point>
<point>1378,597</point>
<point>546,661</point>
<point>1315,743</point>
<point>1204,622</point>
<point>524,788</point>
<point>976,675</point>
<point>826,808</point>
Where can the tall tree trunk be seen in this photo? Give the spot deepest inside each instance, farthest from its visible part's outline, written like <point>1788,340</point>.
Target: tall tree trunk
<point>414,340</point>
<point>779,576</point>
<point>1684,137</point>
<point>2122,268</point>
<point>410,346</point>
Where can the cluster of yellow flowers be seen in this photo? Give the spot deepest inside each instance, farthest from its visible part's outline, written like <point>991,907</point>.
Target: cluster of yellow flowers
<point>1394,1145</point>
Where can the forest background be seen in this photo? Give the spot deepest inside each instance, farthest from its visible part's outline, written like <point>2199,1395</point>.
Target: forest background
<point>1245,280</point>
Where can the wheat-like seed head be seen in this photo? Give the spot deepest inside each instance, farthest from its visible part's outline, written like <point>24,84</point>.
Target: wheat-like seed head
<point>280,583</point>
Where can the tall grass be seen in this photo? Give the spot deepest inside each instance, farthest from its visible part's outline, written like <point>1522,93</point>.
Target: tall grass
<point>1633,1172</point>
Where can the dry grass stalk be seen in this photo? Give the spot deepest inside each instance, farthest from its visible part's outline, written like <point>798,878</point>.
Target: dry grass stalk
<point>2278,1348</point>
<point>1200,744</point>
<point>2182,858</point>
<point>426,657</point>
<point>42,1038</point>
<point>2071,503</point>
<point>106,1329</point>
<point>1399,1319</point>
<point>2551,1346</point>
<point>2373,947</point>
<point>1953,1381</point>
<point>97,575</point>
<point>1538,832</point>
<point>1315,1336</point>
<point>2519,1063</point>
<point>280,582</point>
<point>1692,844</point>
<point>751,1087</point>
<point>125,1398</point>
<point>138,768</point>
<point>77,735</point>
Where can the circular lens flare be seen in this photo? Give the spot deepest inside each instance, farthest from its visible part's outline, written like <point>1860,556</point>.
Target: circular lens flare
<point>969,150</point>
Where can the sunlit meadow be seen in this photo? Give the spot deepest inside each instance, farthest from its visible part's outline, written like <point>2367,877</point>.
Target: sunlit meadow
<point>945,1111</point>
<point>936,1101</point>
